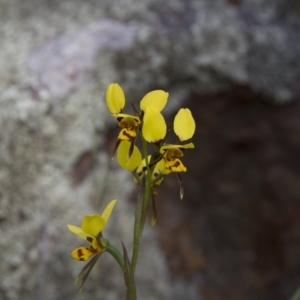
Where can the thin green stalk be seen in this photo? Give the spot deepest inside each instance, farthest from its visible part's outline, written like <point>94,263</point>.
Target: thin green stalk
<point>141,209</point>
<point>148,185</point>
<point>137,222</point>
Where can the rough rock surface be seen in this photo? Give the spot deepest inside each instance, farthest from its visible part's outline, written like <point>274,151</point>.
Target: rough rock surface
<point>207,46</point>
<point>56,60</point>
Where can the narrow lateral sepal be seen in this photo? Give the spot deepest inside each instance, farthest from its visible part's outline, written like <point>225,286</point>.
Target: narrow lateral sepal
<point>181,190</point>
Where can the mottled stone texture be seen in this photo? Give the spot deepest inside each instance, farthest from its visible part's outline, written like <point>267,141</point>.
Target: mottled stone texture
<point>56,60</point>
<point>207,46</point>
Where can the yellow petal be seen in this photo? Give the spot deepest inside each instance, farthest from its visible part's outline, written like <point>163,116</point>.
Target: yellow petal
<point>115,98</point>
<point>157,98</point>
<point>131,163</point>
<point>129,124</point>
<point>108,209</point>
<point>175,165</point>
<point>93,224</point>
<point>154,126</point>
<point>82,253</point>
<point>173,153</point>
<point>173,149</point>
<point>77,230</point>
<point>160,168</point>
<point>184,124</point>
<point>87,237</point>
<point>126,134</point>
<point>127,120</point>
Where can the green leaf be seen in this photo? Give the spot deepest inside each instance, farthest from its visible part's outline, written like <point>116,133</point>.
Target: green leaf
<point>84,273</point>
<point>128,277</point>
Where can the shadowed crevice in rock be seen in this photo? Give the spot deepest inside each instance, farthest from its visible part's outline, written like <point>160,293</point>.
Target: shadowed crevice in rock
<point>235,235</point>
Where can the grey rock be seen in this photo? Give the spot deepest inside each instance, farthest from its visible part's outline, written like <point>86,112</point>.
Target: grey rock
<point>273,53</point>
<point>65,63</point>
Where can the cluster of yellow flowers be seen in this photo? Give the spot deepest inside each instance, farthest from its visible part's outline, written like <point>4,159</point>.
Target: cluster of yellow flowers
<point>151,123</point>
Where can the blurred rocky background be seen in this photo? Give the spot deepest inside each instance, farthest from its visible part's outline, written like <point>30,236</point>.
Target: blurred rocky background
<point>235,63</point>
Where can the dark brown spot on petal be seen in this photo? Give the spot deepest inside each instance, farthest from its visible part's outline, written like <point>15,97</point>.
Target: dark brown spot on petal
<point>127,135</point>
<point>79,253</point>
<point>92,249</point>
<point>89,239</point>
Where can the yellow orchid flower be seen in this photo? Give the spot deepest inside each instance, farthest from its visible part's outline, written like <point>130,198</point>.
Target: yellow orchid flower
<point>172,163</point>
<point>90,230</point>
<point>184,127</point>
<point>171,154</point>
<point>115,100</point>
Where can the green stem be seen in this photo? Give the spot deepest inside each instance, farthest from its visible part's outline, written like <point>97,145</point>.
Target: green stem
<point>137,222</point>
<point>147,192</point>
<point>116,254</point>
<point>141,209</point>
